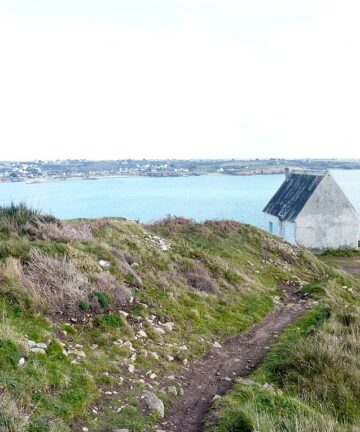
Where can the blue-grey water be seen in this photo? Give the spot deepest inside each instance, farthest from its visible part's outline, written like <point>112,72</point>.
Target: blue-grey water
<point>148,199</point>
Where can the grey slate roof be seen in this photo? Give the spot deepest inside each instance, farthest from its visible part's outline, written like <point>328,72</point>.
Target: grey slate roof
<point>292,196</point>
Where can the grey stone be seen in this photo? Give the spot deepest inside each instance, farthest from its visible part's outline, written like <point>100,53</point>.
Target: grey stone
<point>154,403</point>
<point>77,353</point>
<point>38,350</point>
<point>41,345</point>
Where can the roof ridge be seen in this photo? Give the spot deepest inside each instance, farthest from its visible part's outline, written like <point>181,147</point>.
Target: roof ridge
<point>300,171</point>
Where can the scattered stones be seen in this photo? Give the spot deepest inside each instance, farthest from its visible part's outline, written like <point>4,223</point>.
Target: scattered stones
<point>169,326</point>
<point>154,403</point>
<point>131,368</point>
<point>269,387</point>
<point>41,345</point>
<point>159,330</point>
<point>142,334</point>
<point>77,353</point>
<point>244,381</point>
<point>276,299</point>
<point>127,344</point>
<point>172,390</point>
<point>154,355</point>
<point>105,263</point>
<point>38,350</point>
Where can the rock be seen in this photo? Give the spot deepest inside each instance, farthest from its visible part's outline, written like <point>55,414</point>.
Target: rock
<point>121,430</point>
<point>269,387</point>
<point>169,326</point>
<point>154,403</point>
<point>21,362</point>
<point>172,390</point>
<point>31,343</point>
<point>77,353</point>
<point>85,429</point>
<point>124,314</point>
<point>217,345</point>
<point>131,368</point>
<point>37,350</point>
<point>154,355</point>
<point>41,345</point>
<point>105,263</point>
<point>169,358</point>
<point>129,345</point>
<point>245,381</point>
<point>159,330</point>
<point>142,334</point>
<point>216,397</point>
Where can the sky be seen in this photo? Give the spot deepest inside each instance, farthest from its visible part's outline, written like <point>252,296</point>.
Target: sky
<point>113,79</point>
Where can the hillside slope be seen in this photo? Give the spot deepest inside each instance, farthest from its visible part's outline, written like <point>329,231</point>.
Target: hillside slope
<point>95,312</point>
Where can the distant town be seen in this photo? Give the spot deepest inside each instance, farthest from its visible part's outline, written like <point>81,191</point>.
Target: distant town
<point>44,170</point>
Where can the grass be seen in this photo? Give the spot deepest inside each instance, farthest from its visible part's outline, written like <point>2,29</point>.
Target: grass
<point>213,280</point>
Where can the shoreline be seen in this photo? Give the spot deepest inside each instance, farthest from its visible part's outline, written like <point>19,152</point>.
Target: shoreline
<point>32,181</point>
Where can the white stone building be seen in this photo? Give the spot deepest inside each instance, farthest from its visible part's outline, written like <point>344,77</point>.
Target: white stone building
<point>311,210</point>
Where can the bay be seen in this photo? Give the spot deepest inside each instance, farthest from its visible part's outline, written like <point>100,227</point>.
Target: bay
<point>147,199</point>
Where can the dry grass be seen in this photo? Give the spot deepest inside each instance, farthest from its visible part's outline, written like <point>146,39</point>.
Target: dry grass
<point>56,281</point>
<point>125,261</point>
<point>12,416</point>
<point>63,231</point>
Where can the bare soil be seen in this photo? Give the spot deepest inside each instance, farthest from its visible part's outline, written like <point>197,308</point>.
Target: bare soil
<point>215,372</point>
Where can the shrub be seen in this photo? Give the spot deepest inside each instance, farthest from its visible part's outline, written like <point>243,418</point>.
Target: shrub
<point>114,321</point>
<point>103,298</point>
<point>57,282</point>
<point>84,305</point>
<point>198,278</point>
<point>106,283</point>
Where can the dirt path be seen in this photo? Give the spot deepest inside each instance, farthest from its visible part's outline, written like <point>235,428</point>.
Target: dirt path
<point>214,373</point>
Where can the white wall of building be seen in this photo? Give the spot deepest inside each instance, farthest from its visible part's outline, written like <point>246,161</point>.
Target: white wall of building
<point>283,229</point>
<point>328,220</point>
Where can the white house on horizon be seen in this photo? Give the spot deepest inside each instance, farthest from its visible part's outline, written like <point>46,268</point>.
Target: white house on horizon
<point>312,211</point>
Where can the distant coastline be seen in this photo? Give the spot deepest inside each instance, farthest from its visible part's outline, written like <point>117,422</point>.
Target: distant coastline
<point>32,172</point>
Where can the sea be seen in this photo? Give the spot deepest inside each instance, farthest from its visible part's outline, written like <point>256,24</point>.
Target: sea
<point>148,199</point>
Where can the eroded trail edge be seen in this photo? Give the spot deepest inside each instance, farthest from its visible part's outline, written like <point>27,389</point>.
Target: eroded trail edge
<point>213,374</point>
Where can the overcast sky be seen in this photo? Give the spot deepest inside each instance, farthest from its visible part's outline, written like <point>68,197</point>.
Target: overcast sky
<point>109,79</point>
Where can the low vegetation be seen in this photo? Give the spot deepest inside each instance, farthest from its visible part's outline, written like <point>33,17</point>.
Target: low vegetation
<point>93,313</point>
